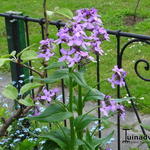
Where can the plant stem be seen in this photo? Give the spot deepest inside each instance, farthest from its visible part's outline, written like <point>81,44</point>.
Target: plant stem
<point>135,11</point>
<point>46,19</point>
<point>71,110</point>
<point>80,110</point>
<point>30,68</point>
<point>80,105</point>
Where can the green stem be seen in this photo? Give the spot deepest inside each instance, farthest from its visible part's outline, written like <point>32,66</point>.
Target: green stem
<point>71,110</point>
<point>80,111</point>
<point>80,104</point>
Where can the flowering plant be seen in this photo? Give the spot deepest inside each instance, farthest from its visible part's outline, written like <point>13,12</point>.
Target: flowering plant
<point>81,38</point>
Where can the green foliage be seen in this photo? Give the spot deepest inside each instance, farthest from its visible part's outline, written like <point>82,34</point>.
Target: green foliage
<point>10,92</point>
<point>27,101</point>
<point>92,143</point>
<point>54,113</point>
<point>29,55</point>
<point>83,121</point>
<point>29,86</point>
<point>56,65</point>
<point>25,145</point>
<point>147,127</point>
<point>78,77</point>
<point>94,94</point>
<point>61,11</point>
<point>3,61</point>
<point>57,75</point>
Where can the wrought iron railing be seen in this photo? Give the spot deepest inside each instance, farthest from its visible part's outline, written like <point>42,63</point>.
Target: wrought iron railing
<point>13,18</point>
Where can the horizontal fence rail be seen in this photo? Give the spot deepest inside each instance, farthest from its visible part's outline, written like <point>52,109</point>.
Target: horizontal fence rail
<point>120,51</point>
<point>59,23</point>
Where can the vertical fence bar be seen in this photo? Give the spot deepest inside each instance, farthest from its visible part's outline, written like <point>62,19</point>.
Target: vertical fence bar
<point>16,42</point>
<point>43,37</point>
<point>62,80</point>
<point>98,87</point>
<point>27,44</point>
<point>118,88</point>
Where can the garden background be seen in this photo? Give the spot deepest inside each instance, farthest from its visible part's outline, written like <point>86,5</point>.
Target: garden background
<point>115,16</point>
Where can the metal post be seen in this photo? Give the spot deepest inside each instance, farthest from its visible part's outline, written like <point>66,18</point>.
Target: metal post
<point>16,42</point>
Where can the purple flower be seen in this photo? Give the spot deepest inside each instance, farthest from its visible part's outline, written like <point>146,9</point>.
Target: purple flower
<point>84,35</point>
<point>48,95</point>
<point>117,77</point>
<point>36,111</point>
<point>108,105</point>
<point>46,49</point>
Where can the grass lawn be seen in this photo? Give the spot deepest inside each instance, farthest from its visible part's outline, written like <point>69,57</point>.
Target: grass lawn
<point>113,12</point>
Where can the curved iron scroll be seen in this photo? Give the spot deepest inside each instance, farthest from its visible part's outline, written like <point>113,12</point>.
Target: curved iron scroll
<point>147,68</point>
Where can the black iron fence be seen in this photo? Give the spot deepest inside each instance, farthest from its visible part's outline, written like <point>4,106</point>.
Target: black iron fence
<point>18,38</point>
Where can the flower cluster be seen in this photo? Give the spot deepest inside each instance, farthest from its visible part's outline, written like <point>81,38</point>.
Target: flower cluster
<point>48,95</point>
<point>108,105</point>
<point>117,77</point>
<point>46,49</point>
<point>83,35</point>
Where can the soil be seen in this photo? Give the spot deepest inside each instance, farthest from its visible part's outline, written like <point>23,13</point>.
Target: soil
<point>132,20</point>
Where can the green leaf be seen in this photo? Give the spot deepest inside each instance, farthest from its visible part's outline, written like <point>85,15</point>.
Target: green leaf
<point>29,55</point>
<point>56,65</point>
<point>60,138</point>
<point>94,94</point>
<point>3,61</point>
<point>57,117</point>
<point>147,127</point>
<point>103,141</point>
<point>25,145</point>
<point>10,92</point>
<point>93,142</point>
<point>54,113</point>
<point>119,100</point>
<point>57,75</point>
<point>65,12</point>
<point>50,144</point>
<point>79,78</point>
<point>83,121</point>
<point>25,49</point>
<point>28,101</point>
<point>28,87</point>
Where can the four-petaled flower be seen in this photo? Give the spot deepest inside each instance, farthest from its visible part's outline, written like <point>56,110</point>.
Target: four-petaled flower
<point>109,105</point>
<point>48,95</point>
<point>117,77</point>
<point>46,49</point>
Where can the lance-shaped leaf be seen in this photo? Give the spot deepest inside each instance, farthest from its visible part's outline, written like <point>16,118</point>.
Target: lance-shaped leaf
<point>94,94</point>
<point>79,78</point>
<point>61,137</point>
<point>93,143</point>
<point>54,113</point>
<point>29,86</point>
<point>10,92</point>
<point>56,65</point>
<point>119,100</point>
<point>57,75</point>
<point>103,141</point>
<point>83,121</point>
